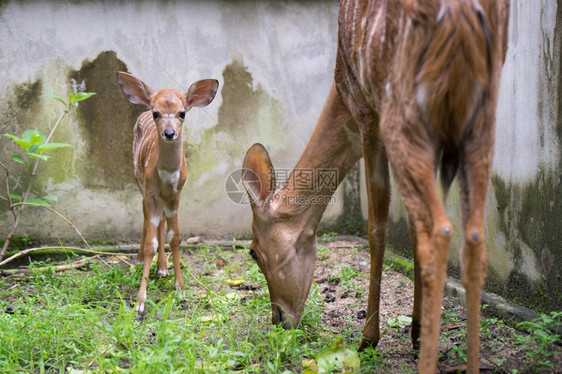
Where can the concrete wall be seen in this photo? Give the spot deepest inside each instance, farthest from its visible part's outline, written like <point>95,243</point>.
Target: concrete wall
<point>525,205</point>
<point>274,61</point>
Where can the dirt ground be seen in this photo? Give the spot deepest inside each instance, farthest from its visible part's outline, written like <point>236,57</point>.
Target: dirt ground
<point>498,351</point>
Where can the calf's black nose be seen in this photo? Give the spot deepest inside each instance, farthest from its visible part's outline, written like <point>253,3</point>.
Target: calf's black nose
<point>169,134</point>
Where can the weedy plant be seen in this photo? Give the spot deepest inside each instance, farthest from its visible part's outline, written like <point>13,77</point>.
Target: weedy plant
<point>34,144</point>
<point>345,276</point>
<point>540,340</point>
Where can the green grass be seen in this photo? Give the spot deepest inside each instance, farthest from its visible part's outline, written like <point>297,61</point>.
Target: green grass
<point>533,339</point>
<point>85,320</point>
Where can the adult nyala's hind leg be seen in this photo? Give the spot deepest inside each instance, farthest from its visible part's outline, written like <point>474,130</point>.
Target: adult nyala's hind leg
<point>474,179</point>
<point>413,164</point>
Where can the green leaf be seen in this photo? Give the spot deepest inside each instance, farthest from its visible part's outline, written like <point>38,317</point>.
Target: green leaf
<point>309,366</point>
<point>234,281</point>
<point>37,155</point>
<point>400,321</point>
<point>19,141</point>
<point>56,98</point>
<point>36,138</point>
<point>80,96</point>
<point>33,137</point>
<point>51,198</point>
<point>19,159</point>
<point>340,358</point>
<point>215,318</point>
<point>32,150</point>
<point>16,197</point>
<point>35,200</point>
<point>27,134</point>
<point>49,146</point>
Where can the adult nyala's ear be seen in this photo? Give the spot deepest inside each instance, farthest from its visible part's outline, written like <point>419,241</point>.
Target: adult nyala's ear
<point>202,92</point>
<point>135,90</point>
<point>258,176</point>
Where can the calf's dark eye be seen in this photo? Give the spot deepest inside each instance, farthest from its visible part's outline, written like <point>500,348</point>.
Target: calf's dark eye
<point>155,115</point>
<point>182,115</point>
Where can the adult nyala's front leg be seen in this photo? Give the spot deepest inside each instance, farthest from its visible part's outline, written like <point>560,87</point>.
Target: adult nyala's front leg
<point>378,192</point>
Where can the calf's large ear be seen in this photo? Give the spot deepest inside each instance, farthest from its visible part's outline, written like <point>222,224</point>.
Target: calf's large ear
<point>202,92</point>
<point>135,90</point>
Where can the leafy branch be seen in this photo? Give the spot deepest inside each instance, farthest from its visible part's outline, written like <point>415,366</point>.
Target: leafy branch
<point>34,144</point>
<point>73,99</point>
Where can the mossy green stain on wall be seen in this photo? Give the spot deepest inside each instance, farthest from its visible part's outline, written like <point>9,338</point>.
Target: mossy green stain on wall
<point>107,120</point>
<point>541,213</point>
<point>27,95</point>
<point>351,221</point>
<point>530,215</point>
<point>247,111</point>
<point>23,106</point>
<point>506,208</point>
<point>247,114</point>
<point>239,97</point>
<point>399,237</point>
